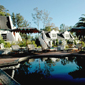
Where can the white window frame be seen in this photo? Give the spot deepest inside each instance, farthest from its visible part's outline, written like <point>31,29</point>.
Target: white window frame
<point>4,36</point>
<point>54,35</point>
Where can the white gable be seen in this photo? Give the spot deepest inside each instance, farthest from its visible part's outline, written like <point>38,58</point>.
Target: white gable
<point>53,34</point>
<point>53,31</point>
<point>66,35</point>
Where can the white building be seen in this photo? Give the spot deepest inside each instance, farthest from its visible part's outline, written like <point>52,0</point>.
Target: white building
<point>50,37</point>
<point>53,34</point>
<point>6,23</point>
<point>67,35</point>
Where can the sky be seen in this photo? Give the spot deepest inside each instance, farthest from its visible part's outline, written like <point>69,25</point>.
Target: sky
<point>62,11</point>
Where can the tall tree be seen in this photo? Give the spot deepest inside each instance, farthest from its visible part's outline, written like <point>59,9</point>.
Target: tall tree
<point>81,22</point>
<point>3,11</point>
<point>56,28</point>
<point>62,27</point>
<point>13,19</point>
<point>48,28</point>
<point>45,18</point>
<point>19,20</point>
<point>37,16</point>
<point>25,23</point>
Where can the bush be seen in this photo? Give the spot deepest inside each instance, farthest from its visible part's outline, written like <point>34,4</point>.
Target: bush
<point>69,42</point>
<point>57,42</point>
<point>83,44</point>
<point>7,45</point>
<point>22,44</point>
<point>1,41</point>
<point>33,42</point>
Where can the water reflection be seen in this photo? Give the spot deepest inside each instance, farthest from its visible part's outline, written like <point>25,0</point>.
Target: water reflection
<point>67,60</point>
<point>80,72</point>
<point>51,69</point>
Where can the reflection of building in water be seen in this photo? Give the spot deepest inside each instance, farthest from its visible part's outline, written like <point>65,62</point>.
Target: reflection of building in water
<point>53,59</point>
<point>44,59</point>
<point>66,58</point>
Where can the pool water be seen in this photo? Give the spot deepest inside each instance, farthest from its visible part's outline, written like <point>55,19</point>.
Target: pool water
<point>67,70</point>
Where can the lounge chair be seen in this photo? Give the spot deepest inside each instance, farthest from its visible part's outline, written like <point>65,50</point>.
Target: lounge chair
<point>45,46</point>
<point>32,48</point>
<point>16,48</point>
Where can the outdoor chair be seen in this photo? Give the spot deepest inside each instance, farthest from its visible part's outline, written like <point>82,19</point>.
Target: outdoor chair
<point>17,48</point>
<point>32,48</point>
<point>60,47</point>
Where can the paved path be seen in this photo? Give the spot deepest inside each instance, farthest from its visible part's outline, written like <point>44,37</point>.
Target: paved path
<point>54,54</point>
<point>7,61</point>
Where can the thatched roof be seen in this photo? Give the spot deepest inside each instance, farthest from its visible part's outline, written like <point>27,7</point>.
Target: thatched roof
<point>5,22</point>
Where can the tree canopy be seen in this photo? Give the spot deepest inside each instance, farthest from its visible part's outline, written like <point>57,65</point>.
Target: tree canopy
<point>81,22</point>
<point>3,11</point>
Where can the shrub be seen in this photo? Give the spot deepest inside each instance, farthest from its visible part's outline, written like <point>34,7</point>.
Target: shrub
<point>1,41</point>
<point>33,42</point>
<point>7,45</point>
<point>22,44</point>
<point>69,42</point>
<point>57,42</point>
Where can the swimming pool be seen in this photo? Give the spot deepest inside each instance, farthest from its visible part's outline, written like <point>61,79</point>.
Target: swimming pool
<point>66,70</point>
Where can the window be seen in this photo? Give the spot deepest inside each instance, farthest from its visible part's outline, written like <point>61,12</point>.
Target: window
<point>4,36</point>
<point>67,36</point>
<point>53,35</point>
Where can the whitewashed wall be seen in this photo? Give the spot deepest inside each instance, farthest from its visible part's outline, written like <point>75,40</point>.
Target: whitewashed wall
<point>53,32</point>
<point>10,35</point>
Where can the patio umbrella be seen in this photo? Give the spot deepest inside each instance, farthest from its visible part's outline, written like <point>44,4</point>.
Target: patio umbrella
<point>25,30</point>
<point>80,31</point>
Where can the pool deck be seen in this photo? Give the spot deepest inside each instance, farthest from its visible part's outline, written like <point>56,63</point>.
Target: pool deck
<point>54,54</point>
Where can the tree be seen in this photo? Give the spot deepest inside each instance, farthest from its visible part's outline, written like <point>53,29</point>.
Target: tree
<point>81,22</point>
<point>37,16</point>
<point>13,19</point>
<point>48,28</point>
<point>25,23</point>
<point>62,27</point>
<point>56,28</point>
<point>19,20</point>
<point>3,11</point>
<point>45,18</point>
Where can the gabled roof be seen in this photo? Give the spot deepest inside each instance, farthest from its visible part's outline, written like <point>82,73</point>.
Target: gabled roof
<point>5,22</point>
<point>61,34</point>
